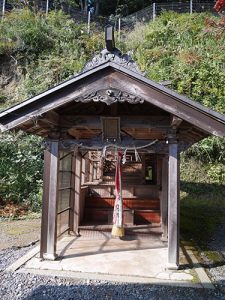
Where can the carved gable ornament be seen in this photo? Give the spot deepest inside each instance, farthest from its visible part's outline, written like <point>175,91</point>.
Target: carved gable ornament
<point>115,56</point>
<point>109,97</point>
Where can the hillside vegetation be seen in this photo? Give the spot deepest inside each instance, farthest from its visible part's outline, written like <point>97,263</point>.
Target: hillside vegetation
<point>38,52</point>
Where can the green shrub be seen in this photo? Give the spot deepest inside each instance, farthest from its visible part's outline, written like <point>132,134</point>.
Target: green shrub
<point>20,168</point>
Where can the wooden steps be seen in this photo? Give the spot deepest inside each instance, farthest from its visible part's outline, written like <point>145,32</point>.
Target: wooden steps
<point>146,216</point>
<point>131,203</point>
<point>100,210</point>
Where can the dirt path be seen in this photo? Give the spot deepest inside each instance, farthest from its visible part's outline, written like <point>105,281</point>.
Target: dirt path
<point>19,232</point>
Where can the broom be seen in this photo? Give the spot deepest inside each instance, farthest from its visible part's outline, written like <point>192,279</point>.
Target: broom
<point>118,229</point>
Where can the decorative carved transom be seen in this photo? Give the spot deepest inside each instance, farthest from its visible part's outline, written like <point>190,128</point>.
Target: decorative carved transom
<point>110,96</point>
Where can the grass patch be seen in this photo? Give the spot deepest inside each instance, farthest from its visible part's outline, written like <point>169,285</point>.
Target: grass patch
<point>202,210</point>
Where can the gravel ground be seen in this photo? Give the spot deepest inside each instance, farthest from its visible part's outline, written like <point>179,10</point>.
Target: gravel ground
<point>217,270</point>
<point>29,286</point>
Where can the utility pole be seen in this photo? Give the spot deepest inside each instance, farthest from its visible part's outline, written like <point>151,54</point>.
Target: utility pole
<point>153,11</point>
<point>89,22</point>
<point>3,9</point>
<point>119,27</point>
<point>191,6</point>
<point>47,6</point>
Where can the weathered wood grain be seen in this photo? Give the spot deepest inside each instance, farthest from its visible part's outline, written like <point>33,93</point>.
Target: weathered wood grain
<point>49,216</point>
<point>173,206</point>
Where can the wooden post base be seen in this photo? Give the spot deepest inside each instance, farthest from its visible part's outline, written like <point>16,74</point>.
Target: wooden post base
<point>48,256</point>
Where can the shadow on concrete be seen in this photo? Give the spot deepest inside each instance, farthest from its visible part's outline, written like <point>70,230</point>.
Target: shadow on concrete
<point>100,248</point>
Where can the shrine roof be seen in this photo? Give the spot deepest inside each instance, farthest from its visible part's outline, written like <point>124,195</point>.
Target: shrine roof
<point>108,78</point>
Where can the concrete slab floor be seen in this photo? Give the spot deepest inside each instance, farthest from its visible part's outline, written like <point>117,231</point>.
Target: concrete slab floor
<point>144,258</point>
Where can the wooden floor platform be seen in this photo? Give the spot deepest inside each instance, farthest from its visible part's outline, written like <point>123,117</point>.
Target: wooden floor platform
<point>151,231</point>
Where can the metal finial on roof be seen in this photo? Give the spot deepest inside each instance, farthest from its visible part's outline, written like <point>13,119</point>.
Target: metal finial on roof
<point>109,38</point>
<point>111,54</point>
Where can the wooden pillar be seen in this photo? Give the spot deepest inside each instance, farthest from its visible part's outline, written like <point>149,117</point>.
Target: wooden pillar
<point>159,170</point>
<point>91,170</point>
<point>77,192</point>
<point>83,165</point>
<point>72,193</point>
<point>164,199</point>
<point>173,206</point>
<point>49,206</point>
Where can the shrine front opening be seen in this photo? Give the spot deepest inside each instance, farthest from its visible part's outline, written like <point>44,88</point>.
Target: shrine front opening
<point>141,189</point>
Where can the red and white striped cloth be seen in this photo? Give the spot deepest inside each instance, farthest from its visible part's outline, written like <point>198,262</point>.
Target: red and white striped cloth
<point>220,5</point>
<point>118,206</point>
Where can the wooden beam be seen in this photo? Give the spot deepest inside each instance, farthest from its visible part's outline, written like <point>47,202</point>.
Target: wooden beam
<point>49,209</point>
<point>173,206</point>
<point>94,122</point>
<point>51,117</point>
<point>175,122</point>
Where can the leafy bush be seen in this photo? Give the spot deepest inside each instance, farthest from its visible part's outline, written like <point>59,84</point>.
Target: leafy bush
<point>21,168</point>
<point>210,150</point>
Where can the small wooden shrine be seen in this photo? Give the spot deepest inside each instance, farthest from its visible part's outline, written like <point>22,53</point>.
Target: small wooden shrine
<point>112,105</point>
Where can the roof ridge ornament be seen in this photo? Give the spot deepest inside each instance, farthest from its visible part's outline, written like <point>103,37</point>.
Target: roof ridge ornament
<point>112,54</point>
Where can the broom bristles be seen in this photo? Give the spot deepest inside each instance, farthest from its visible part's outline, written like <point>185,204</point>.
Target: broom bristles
<point>118,231</point>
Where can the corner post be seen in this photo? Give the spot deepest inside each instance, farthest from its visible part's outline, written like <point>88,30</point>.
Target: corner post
<point>83,170</point>
<point>77,190</point>
<point>173,204</point>
<point>164,199</point>
<point>49,206</point>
